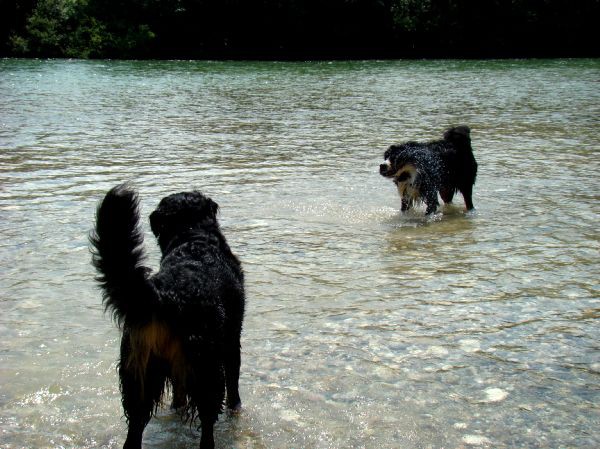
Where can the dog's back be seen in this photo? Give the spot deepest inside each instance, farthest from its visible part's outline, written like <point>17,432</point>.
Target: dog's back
<point>201,293</point>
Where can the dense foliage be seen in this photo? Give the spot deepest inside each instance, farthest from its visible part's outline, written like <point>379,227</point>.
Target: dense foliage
<point>297,28</point>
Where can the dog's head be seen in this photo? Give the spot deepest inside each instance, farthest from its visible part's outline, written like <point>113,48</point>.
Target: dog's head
<point>182,212</point>
<point>398,163</point>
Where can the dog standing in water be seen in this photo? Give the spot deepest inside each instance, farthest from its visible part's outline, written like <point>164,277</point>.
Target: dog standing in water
<point>180,326</point>
<point>422,169</point>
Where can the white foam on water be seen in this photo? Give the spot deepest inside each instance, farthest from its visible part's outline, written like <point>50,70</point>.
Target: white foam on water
<point>469,345</point>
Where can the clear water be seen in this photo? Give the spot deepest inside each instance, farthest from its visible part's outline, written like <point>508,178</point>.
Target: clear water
<point>365,328</point>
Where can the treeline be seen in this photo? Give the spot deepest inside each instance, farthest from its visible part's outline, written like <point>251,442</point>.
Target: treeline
<point>294,29</point>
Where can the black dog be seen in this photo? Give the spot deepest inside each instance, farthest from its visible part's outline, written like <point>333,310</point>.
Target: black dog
<point>421,170</point>
<point>180,326</point>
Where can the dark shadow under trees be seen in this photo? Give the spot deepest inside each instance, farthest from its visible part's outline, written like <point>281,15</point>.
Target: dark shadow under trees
<point>298,29</point>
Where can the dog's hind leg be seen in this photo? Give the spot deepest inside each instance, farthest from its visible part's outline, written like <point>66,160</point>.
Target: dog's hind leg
<point>137,410</point>
<point>141,392</point>
<point>232,374</point>
<point>467,193</point>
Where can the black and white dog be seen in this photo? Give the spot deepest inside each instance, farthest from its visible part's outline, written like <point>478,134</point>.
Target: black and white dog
<point>422,169</point>
<point>181,325</point>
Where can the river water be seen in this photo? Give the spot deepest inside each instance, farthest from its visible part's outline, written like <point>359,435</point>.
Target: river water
<point>365,328</point>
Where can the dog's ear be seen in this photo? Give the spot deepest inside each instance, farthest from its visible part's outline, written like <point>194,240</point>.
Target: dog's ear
<point>214,207</point>
<point>386,155</point>
<point>199,206</point>
<point>391,149</point>
<point>156,222</point>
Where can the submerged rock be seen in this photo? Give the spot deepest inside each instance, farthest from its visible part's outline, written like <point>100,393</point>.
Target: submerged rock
<point>495,394</point>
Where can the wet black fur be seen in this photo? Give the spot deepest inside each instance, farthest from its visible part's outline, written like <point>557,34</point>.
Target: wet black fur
<point>180,326</point>
<point>446,166</point>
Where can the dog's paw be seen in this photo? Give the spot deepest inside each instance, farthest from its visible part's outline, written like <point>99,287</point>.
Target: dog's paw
<point>235,409</point>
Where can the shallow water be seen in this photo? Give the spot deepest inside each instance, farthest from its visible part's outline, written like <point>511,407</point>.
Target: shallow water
<point>365,328</point>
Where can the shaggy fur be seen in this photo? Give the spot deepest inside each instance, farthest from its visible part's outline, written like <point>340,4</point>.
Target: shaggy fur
<point>180,326</point>
<point>422,169</point>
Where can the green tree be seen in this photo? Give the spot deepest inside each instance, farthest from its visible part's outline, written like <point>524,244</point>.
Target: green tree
<point>46,29</point>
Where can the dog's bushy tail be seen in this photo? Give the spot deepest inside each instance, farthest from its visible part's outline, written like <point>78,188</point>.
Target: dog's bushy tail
<point>118,255</point>
<point>460,136</point>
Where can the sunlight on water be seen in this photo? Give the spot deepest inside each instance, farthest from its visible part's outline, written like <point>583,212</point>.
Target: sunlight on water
<point>365,327</point>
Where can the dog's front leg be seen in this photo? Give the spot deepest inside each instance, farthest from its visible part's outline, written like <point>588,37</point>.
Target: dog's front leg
<point>179,396</point>
<point>432,203</point>
<point>431,208</point>
<point>404,198</point>
<point>447,195</point>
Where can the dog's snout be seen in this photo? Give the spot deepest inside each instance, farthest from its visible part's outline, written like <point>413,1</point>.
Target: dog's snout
<point>383,168</point>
